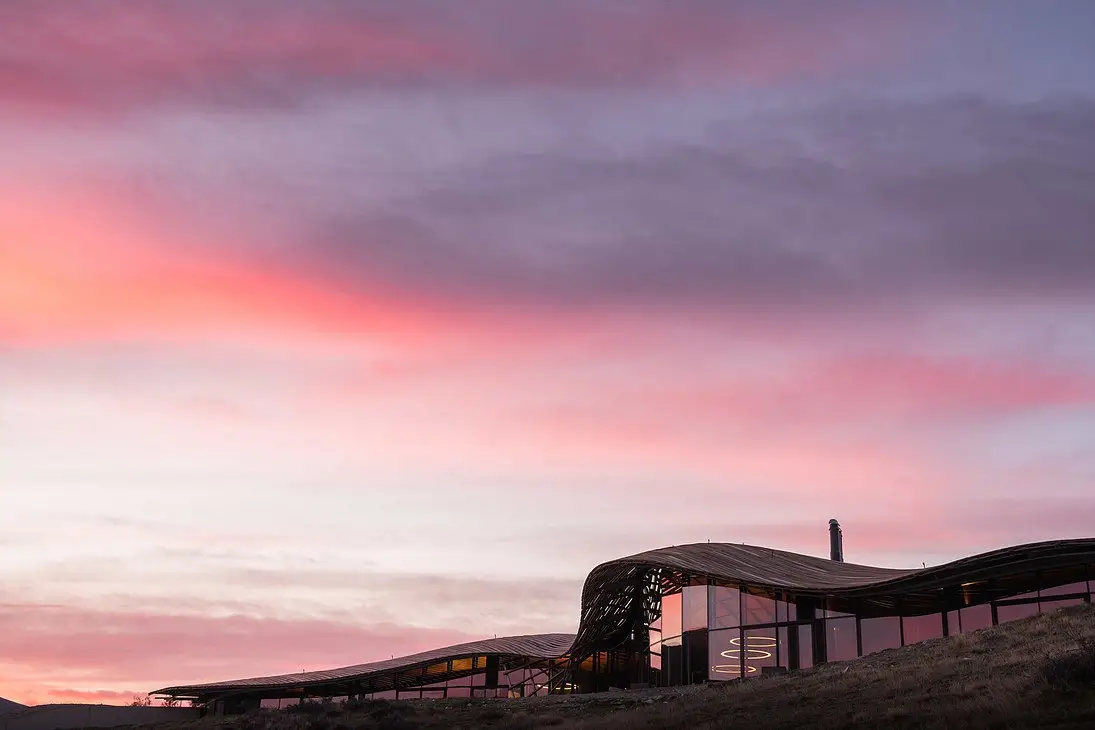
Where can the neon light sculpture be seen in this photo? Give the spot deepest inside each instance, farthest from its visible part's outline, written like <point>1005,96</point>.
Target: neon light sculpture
<point>756,648</point>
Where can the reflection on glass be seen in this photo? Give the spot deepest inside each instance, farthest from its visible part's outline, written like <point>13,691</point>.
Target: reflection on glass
<point>723,654</point>
<point>922,628</point>
<point>757,610</point>
<point>878,634</point>
<point>785,611</point>
<point>724,607</point>
<point>783,647</point>
<point>954,623</point>
<point>1071,588</point>
<point>1051,606</point>
<point>673,663</point>
<point>759,651</point>
<point>840,639</point>
<point>695,656</point>
<point>694,613</point>
<point>805,647</point>
<point>976,617</point>
<point>671,615</point>
<point>655,661</point>
<point>1013,613</point>
<point>655,639</point>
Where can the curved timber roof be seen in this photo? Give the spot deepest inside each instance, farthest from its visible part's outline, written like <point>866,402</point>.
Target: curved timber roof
<point>621,594</point>
<point>535,647</point>
<point>618,593</point>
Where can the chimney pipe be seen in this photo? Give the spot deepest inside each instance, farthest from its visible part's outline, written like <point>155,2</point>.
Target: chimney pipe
<point>836,542</point>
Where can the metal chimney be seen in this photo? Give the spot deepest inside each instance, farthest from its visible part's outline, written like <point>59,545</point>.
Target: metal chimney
<point>836,542</point>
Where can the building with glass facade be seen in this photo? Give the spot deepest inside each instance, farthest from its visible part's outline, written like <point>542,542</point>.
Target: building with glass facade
<point>713,612</point>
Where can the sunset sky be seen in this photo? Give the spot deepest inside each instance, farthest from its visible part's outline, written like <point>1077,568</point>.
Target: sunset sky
<point>337,330</point>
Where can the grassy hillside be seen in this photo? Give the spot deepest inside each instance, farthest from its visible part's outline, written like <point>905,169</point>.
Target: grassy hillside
<point>1039,672</point>
<point>9,706</point>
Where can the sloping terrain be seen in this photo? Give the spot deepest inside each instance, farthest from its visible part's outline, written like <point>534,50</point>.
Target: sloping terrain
<point>1039,672</point>
<point>7,706</point>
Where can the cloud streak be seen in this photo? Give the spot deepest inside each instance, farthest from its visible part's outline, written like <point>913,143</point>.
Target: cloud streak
<point>279,54</point>
<point>956,210</point>
<point>48,650</point>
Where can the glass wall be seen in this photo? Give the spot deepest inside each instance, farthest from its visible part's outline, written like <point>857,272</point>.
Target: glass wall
<point>974,618</point>
<point>805,646</point>
<point>671,615</point>
<point>694,610</point>
<point>841,642</point>
<point>759,651</point>
<point>757,609</point>
<point>878,634</point>
<point>724,607</point>
<point>741,632</point>
<point>921,628</point>
<point>1013,612</point>
<point>724,654</point>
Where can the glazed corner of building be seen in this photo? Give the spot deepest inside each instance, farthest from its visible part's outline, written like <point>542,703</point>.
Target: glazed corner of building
<point>706,628</point>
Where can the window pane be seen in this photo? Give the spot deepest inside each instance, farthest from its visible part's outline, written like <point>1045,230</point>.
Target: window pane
<point>976,617</point>
<point>757,610</point>
<point>673,664</point>
<point>1050,606</point>
<point>724,607</point>
<point>840,639</point>
<point>695,608</point>
<point>785,611</point>
<point>655,661</point>
<point>954,623</point>
<point>1065,589</point>
<point>695,656</point>
<point>671,615</point>
<point>1013,613</point>
<point>724,654</point>
<point>783,649</point>
<point>760,651</point>
<point>922,628</point>
<point>805,647</point>
<point>878,634</point>
<point>655,640</point>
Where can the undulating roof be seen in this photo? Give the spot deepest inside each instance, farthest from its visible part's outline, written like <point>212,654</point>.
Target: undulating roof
<point>620,594</point>
<point>532,647</point>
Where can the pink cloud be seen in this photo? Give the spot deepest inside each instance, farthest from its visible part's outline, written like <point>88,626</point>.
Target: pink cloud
<point>277,53</point>
<point>46,651</point>
<point>101,272</point>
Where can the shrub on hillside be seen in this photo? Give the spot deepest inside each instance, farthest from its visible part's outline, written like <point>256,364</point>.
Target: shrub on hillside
<point>1075,669</point>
